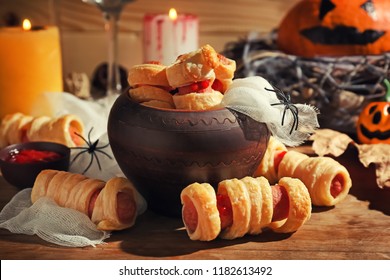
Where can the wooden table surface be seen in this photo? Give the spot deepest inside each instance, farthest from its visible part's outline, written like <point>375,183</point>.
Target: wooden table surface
<point>356,228</point>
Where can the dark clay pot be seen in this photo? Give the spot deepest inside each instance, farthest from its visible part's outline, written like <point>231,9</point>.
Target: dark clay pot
<point>163,151</point>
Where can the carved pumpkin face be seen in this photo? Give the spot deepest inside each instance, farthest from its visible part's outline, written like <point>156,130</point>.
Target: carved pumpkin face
<point>336,28</point>
<point>373,125</point>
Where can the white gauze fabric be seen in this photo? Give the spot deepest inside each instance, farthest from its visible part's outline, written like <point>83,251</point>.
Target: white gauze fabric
<point>256,98</point>
<point>59,225</point>
<point>54,224</point>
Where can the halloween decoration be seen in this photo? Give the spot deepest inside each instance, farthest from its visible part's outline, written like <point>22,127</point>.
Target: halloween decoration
<point>373,125</point>
<point>336,28</point>
<point>92,149</point>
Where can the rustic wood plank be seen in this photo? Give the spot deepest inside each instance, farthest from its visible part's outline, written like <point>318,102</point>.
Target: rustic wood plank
<point>357,228</point>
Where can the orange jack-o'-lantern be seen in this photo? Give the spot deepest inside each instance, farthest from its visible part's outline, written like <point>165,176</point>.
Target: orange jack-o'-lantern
<point>373,125</point>
<point>336,28</point>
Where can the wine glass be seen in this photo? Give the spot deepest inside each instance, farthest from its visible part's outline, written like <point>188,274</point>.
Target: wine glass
<point>111,11</point>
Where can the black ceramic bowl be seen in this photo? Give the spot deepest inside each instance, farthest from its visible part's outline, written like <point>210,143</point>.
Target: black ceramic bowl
<point>163,151</point>
<point>23,175</point>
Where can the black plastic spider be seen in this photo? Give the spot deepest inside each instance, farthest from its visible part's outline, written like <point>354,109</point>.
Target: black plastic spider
<point>91,149</point>
<point>288,105</point>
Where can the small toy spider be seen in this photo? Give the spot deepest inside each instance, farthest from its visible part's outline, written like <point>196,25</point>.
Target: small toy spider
<point>92,149</point>
<point>288,105</point>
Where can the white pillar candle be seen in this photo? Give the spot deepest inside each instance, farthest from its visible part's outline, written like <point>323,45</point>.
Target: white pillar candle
<point>167,37</point>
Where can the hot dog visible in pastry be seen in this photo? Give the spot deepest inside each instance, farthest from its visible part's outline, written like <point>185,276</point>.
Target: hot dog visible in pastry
<point>18,128</point>
<point>200,213</point>
<point>195,81</point>
<point>267,168</point>
<point>111,205</point>
<point>244,206</point>
<point>193,67</point>
<point>326,179</point>
<point>193,75</point>
<point>224,73</point>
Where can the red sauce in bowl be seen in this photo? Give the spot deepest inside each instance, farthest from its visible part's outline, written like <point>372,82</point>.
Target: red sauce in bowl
<point>32,156</point>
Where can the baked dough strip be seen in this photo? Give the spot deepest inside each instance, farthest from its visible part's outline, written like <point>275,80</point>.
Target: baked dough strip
<point>111,205</point>
<point>18,128</point>
<point>252,208</point>
<point>327,181</point>
<point>152,83</point>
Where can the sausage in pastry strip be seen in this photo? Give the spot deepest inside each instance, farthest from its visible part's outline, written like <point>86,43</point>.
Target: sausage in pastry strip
<point>111,205</point>
<point>327,180</point>
<point>199,212</point>
<point>299,206</point>
<point>193,76</point>
<point>61,130</point>
<point>236,210</point>
<point>268,166</point>
<point>260,194</point>
<point>11,129</point>
<point>236,191</point>
<point>224,73</point>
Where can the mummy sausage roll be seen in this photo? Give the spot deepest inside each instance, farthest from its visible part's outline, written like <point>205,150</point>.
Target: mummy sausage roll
<point>111,205</point>
<point>11,129</point>
<point>194,75</point>
<point>149,85</point>
<point>272,157</point>
<point>244,206</point>
<point>195,81</point>
<point>327,180</point>
<point>19,128</point>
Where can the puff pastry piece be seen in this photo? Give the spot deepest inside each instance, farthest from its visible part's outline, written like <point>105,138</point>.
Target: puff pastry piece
<point>241,207</point>
<point>197,101</point>
<point>193,67</point>
<point>267,208</point>
<point>111,206</point>
<point>60,130</point>
<point>244,206</point>
<point>147,93</point>
<point>158,104</point>
<point>260,194</point>
<point>267,166</point>
<point>18,128</point>
<point>327,180</point>
<point>225,68</point>
<point>11,129</point>
<point>200,214</point>
<point>116,206</point>
<point>153,74</point>
<point>299,206</point>
<point>254,189</point>
<point>224,72</point>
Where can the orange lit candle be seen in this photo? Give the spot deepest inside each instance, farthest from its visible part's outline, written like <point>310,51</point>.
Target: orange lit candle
<point>167,36</point>
<point>30,65</point>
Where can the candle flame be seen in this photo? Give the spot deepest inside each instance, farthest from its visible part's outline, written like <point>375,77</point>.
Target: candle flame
<point>26,24</point>
<point>172,14</point>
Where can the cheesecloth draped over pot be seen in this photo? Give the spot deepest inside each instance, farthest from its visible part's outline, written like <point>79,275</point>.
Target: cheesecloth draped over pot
<point>60,225</point>
<point>255,97</point>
